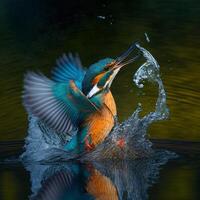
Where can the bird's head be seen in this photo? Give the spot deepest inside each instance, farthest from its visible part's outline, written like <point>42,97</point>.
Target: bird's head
<point>101,74</point>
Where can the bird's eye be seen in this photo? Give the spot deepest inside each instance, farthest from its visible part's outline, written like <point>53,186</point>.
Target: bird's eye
<point>108,66</point>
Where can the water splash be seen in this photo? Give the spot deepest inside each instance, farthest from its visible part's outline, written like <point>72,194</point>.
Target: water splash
<point>133,131</point>
<point>127,140</point>
<point>146,37</point>
<point>150,71</point>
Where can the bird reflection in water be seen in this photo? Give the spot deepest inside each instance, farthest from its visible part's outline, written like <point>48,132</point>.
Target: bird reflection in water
<point>103,180</point>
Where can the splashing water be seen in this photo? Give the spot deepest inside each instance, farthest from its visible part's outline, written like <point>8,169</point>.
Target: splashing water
<point>150,71</point>
<point>127,140</point>
<point>133,131</point>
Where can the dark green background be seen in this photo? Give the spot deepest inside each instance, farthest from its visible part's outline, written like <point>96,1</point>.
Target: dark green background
<point>34,33</point>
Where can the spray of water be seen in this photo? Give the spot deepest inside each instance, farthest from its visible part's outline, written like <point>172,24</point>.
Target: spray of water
<point>127,140</point>
<point>133,131</point>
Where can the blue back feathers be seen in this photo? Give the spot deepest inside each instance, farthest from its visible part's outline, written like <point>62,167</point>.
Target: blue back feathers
<point>69,68</point>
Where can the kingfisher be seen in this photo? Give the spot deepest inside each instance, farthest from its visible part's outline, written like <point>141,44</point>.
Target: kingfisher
<point>76,101</point>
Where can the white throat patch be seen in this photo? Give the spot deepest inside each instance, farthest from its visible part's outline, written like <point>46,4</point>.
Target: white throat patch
<point>93,91</point>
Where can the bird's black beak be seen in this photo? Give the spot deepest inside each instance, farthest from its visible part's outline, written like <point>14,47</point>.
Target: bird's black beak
<point>120,61</point>
<point>115,67</point>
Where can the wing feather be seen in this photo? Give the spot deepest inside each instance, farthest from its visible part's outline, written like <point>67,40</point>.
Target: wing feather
<point>40,99</point>
<point>58,105</point>
<point>68,67</point>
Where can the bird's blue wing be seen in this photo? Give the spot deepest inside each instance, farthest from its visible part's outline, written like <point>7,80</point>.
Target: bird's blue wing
<point>57,104</point>
<point>69,67</point>
<point>48,101</point>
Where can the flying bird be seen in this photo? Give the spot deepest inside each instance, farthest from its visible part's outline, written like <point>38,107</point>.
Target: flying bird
<point>76,101</point>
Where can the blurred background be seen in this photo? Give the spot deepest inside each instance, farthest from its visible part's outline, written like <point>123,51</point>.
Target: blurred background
<point>34,33</point>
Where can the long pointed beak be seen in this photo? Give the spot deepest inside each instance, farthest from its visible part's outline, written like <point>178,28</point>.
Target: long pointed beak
<point>119,61</point>
<point>115,68</point>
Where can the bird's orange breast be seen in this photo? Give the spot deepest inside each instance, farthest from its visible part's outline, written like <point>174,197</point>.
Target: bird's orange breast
<point>110,102</point>
<point>99,125</point>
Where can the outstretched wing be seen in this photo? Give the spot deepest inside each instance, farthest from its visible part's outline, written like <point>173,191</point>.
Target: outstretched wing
<point>55,103</point>
<point>40,99</point>
<point>69,67</point>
